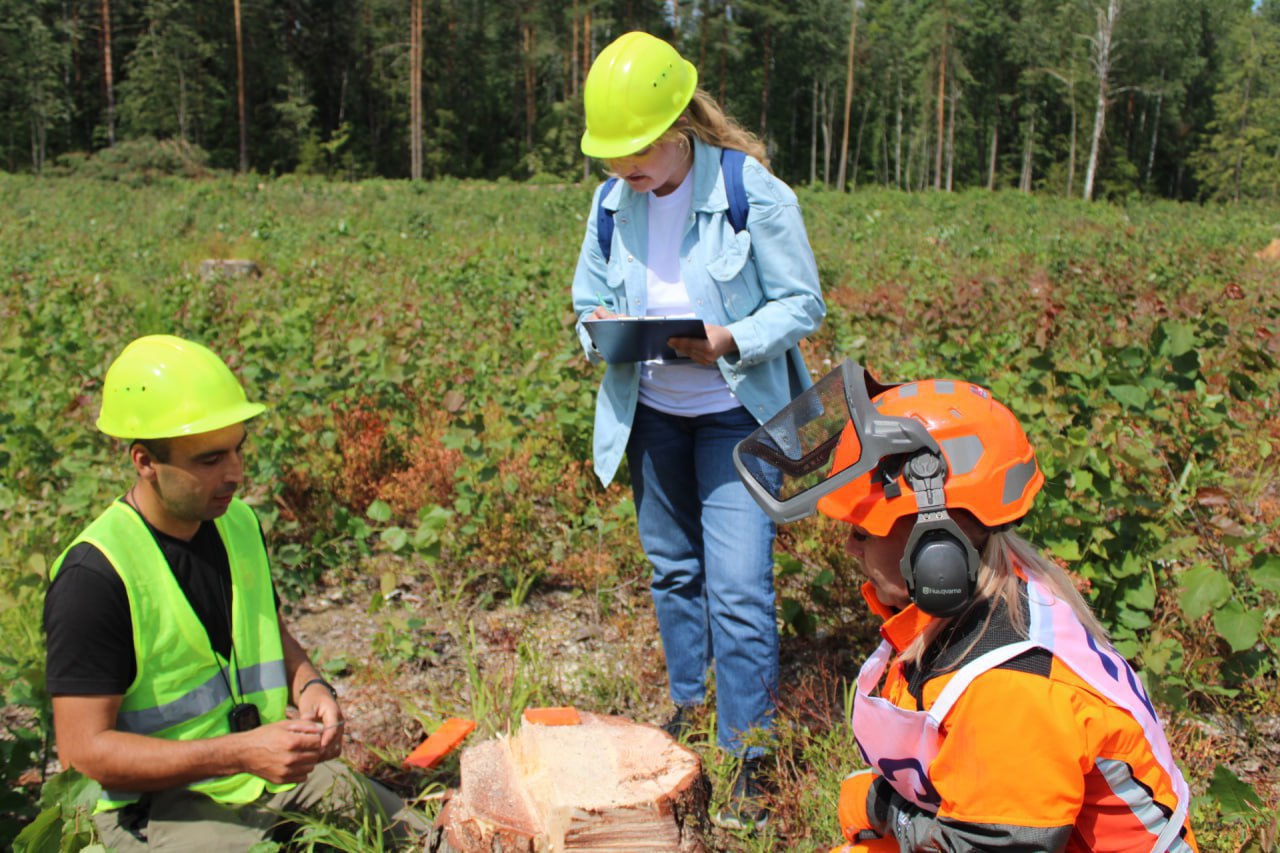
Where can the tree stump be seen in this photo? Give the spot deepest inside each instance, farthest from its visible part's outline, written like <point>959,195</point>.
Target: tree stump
<point>228,268</point>
<point>1271,252</point>
<point>606,783</point>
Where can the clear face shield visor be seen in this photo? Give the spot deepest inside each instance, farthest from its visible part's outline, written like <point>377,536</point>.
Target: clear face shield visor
<point>791,462</point>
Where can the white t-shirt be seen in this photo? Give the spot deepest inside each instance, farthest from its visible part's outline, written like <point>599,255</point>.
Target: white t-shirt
<point>676,387</point>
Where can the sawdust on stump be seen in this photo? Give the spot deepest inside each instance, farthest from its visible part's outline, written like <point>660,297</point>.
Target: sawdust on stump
<point>605,784</point>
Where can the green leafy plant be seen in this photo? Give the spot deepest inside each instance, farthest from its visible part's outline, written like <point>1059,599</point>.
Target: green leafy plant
<point>64,824</point>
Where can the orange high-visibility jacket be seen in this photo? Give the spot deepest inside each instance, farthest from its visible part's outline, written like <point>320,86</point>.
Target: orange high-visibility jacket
<point>1032,758</point>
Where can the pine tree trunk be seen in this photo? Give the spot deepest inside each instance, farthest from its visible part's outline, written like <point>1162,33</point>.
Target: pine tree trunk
<point>813,134</point>
<point>586,66</point>
<point>857,151</point>
<point>848,95</point>
<point>415,90</point>
<point>1071,156</point>
<point>240,96</point>
<point>991,155</point>
<point>827,130</point>
<point>951,135</point>
<point>942,103</point>
<point>1028,149</point>
<point>764,93</point>
<point>530,83</point>
<point>108,75</point>
<point>574,85</point>
<point>897,139</point>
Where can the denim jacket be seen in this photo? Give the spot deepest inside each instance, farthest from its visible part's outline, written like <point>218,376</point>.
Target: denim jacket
<point>762,284</point>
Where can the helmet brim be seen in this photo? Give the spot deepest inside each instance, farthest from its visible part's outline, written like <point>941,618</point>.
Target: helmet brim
<point>134,430</point>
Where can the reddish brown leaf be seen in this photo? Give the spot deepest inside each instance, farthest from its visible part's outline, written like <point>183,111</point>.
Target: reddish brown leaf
<point>1229,526</point>
<point>1212,496</point>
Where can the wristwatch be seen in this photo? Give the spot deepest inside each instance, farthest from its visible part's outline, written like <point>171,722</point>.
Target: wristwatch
<point>326,685</point>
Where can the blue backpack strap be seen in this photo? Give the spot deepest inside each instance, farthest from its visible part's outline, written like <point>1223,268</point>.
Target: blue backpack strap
<point>604,221</point>
<point>731,163</point>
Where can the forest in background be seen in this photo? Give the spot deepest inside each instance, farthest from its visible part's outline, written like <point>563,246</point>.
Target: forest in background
<point>1087,98</point>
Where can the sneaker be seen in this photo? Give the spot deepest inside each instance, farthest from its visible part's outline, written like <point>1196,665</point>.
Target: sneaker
<point>680,724</point>
<point>745,808</point>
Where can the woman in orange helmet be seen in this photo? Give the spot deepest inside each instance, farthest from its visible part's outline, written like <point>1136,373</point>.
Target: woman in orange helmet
<point>995,715</point>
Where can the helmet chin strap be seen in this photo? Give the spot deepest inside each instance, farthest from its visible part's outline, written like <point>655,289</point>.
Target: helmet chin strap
<point>939,563</point>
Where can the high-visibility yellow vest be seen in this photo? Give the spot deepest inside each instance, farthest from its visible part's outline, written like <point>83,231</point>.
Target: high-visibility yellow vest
<point>180,690</point>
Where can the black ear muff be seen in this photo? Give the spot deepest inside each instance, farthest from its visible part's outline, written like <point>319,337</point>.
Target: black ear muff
<point>939,563</point>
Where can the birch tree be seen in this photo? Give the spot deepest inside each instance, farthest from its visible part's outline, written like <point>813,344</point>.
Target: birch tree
<point>1102,55</point>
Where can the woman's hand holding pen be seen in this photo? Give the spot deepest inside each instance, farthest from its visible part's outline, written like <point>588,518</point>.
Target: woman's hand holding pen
<point>719,342</point>
<point>602,313</point>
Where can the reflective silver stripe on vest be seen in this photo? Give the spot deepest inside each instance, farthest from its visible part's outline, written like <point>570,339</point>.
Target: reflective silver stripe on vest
<point>262,677</point>
<point>1135,795</point>
<point>202,700</point>
<point>133,796</point>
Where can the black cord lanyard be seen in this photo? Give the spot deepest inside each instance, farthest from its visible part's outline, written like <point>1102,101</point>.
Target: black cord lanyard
<point>243,715</point>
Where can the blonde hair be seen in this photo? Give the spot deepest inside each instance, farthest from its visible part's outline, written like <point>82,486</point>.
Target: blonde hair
<point>705,119</point>
<point>1003,556</point>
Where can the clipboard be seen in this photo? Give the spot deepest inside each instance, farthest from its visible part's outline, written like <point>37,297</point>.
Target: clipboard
<point>627,339</point>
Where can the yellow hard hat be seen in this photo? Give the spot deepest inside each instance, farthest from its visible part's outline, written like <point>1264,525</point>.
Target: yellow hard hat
<point>162,386</point>
<point>636,89</point>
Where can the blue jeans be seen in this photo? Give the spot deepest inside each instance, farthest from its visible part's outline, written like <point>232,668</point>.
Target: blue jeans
<point>711,548</point>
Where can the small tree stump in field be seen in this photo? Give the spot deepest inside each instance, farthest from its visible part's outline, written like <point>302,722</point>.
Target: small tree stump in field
<point>605,784</point>
<point>1271,252</point>
<point>229,268</point>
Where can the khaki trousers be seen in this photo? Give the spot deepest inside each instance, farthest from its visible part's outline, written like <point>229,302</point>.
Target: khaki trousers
<point>180,819</point>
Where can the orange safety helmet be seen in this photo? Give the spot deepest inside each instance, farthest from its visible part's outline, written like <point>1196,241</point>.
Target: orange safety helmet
<point>991,469</point>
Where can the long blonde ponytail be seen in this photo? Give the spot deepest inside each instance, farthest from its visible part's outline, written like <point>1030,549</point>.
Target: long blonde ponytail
<point>1004,554</point>
<point>707,121</point>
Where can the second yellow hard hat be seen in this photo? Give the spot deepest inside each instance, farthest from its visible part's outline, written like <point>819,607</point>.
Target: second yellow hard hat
<point>636,89</point>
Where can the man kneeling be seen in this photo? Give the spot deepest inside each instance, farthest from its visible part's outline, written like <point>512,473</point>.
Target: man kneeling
<point>168,661</point>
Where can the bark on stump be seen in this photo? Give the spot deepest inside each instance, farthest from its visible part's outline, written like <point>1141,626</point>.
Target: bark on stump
<point>605,784</point>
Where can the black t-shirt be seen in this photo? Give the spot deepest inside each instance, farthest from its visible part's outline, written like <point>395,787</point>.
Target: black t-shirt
<point>88,626</point>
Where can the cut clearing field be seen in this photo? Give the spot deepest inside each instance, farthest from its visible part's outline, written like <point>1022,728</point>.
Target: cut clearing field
<point>423,472</point>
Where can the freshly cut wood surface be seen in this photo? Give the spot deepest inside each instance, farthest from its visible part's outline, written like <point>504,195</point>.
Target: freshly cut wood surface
<point>606,784</point>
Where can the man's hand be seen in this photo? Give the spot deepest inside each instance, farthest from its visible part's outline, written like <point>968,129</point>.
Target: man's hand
<point>719,342</point>
<point>316,704</point>
<point>285,751</point>
<point>311,693</point>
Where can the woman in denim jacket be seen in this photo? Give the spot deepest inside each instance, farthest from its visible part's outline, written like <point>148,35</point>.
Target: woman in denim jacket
<point>673,252</point>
